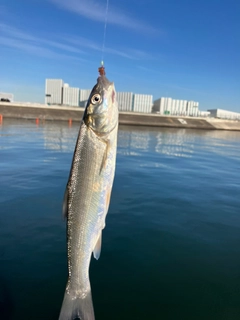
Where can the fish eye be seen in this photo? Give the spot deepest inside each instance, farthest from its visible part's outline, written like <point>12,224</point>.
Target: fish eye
<point>96,98</point>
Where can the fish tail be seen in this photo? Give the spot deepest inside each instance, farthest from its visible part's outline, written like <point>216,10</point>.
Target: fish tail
<point>77,307</point>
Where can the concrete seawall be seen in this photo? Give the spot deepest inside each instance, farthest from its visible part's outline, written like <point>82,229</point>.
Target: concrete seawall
<point>43,112</point>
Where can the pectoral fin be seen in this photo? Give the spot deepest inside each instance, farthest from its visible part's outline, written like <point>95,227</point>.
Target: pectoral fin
<point>105,155</point>
<point>97,249</point>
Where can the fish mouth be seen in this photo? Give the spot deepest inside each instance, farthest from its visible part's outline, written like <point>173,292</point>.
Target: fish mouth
<point>103,82</point>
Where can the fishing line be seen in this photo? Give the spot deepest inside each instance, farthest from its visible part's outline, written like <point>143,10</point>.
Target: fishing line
<point>105,30</point>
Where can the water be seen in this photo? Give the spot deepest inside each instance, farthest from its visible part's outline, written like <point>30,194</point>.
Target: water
<point>171,248</point>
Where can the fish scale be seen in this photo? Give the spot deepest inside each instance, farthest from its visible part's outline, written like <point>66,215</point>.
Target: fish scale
<point>89,157</point>
<point>87,195</point>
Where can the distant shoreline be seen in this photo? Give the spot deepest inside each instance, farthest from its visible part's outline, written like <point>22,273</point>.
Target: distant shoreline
<point>44,112</point>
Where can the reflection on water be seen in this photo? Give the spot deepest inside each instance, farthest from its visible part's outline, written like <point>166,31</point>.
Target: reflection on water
<point>61,137</point>
<point>175,142</point>
<point>171,244</point>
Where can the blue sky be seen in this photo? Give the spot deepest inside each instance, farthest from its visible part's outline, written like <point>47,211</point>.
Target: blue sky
<point>183,49</point>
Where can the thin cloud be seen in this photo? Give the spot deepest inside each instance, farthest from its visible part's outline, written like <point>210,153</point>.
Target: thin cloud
<point>31,48</point>
<point>15,33</point>
<point>93,10</point>
<point>140,54</point>
<point>67,46</point>
<point>15,38</point>
<point>132,54</point>
<point>81,42</point>
<point>62,46</point>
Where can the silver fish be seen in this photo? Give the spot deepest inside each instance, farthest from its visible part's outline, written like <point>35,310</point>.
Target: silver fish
<point>87,195</point>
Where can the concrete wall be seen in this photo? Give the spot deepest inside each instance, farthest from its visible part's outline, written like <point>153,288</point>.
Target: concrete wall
<point>43,112</point>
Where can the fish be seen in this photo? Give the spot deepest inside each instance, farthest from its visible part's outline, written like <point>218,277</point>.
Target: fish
<point>87,195</point>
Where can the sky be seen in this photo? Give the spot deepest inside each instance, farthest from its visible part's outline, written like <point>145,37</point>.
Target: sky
<point>183,49</point>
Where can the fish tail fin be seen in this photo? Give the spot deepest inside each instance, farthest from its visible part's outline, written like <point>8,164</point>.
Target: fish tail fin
<point>77,307</point>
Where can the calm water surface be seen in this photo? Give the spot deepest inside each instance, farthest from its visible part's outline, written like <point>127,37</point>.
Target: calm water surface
<point>171,247</point>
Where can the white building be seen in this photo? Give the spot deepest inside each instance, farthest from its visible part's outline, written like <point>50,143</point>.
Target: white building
<point>70,96</point>
<point>165,105</point>
<point>83,97</point>
<point>224,114</point>
<point>54,91</point>
<point>142,103</point>
<point>84,94</point>
<point>125,101</point>
<point>6,97</point>
<point>175,107</point>
<point>205,113</point>
<point>192,108</point>
<point>184,107</point>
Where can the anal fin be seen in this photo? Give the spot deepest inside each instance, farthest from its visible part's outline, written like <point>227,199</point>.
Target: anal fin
<point>97,249</point>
